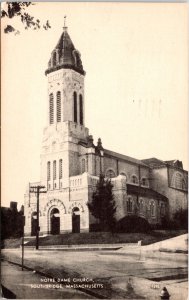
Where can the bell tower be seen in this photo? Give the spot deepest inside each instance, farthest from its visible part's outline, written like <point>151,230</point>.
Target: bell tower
<point>65,114</point>
<point>65,76</point>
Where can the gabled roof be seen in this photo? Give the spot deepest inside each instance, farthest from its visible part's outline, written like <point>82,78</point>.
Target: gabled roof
<point>124,157</point>
<point>175,163</point>
<point>154,162</point>
<point>157,163</point>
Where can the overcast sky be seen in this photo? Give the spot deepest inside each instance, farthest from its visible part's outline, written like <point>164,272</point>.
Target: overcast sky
<point>136,60</point>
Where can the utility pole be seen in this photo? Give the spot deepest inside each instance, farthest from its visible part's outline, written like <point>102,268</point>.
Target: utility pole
<point>22,242</point>
<point>37,190</point>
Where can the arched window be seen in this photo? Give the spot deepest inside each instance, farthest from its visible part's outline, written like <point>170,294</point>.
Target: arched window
<point>144,181</point>
<point>83,165</point>
<point>141,206</point>
<point>75,106</point>
<point>134,179</point>
<point>110,174</point>
<point>152,209</point>
<point>162,209</point>
<point>51,109</point>
<point>60,168</point>
<point>129,204</point>
<point>54,169</point>
<point>48,171</point>
<point>81,109</point>
<point>178,181</point>
<point>58,106</point>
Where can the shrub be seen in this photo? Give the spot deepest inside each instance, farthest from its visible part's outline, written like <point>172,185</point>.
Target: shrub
<point>133,224</point>
<point>179,220</point>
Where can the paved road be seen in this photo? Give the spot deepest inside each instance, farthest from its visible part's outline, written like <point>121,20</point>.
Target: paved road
<point>25,285</point>
<point>117,276</point>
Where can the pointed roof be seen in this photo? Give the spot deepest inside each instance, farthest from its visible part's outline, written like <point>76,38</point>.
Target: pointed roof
<point>65,55</point>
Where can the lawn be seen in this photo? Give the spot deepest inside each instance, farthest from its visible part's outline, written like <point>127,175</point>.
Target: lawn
<point>96,238</point>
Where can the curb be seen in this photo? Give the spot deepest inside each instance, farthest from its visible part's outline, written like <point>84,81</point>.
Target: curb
<point>72,249</point>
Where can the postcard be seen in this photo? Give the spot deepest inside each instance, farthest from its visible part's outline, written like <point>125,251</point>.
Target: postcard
<point>94,150</point>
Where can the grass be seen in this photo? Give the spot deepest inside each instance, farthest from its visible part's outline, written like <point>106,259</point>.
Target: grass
<point>97,238</point>
<point>11,243</point>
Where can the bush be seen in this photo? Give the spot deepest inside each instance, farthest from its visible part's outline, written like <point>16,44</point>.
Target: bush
<point>95,227</point>
<point>133,224</point>
<point>179,221</point>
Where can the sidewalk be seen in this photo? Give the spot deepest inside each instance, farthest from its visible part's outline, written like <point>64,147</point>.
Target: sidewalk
<point>28,285</point>
<point>88,247</point>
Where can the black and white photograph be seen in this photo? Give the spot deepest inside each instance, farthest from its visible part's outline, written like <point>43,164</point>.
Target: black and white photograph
<point>94,148</point>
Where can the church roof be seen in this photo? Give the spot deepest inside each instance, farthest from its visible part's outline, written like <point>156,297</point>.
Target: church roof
<point>157,163</point>
<point>124,157</point>
<point>65,55</point>
<point>145,192</point>
<point>154,162</point>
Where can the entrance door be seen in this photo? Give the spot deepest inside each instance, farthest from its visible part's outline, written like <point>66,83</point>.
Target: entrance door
<point>55,221</point>
<point>75,220</point>
<point>33,223</point>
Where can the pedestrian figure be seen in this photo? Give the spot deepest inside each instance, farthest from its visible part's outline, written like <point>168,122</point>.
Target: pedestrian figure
<point>129,285</point>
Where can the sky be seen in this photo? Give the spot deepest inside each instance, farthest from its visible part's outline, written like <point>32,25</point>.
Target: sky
<point>136,86</point>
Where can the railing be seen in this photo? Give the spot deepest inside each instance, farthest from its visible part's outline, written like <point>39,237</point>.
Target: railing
<point>76,181</point>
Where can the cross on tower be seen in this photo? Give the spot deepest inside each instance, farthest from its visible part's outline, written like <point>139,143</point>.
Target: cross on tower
<point>65,27</point>
<point>64,21</point>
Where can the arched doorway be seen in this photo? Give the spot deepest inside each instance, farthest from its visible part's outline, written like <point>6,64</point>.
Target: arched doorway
<point>75,220</point>
<point>33,223</point>
<point>55,221</point>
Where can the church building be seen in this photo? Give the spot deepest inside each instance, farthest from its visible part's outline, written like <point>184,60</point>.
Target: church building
<point>71,162</point>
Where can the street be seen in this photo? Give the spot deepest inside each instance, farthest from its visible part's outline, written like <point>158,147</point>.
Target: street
<point>105,274</point>
<point>25,285</point>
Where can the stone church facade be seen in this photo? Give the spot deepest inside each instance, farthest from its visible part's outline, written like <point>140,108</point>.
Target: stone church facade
<point>71,162</point>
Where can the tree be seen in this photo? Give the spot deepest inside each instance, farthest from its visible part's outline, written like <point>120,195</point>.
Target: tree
<point>12,222</point>
<point>19,9</point>
<point>102,206</point>
<point>181,218</point>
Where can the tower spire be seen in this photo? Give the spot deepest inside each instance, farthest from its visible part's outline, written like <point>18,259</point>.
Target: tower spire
<point>65,27</point>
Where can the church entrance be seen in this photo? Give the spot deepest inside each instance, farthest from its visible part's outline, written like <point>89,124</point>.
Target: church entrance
<point>34,223</point>
<point>55,221</point>
<point>75,220</point>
